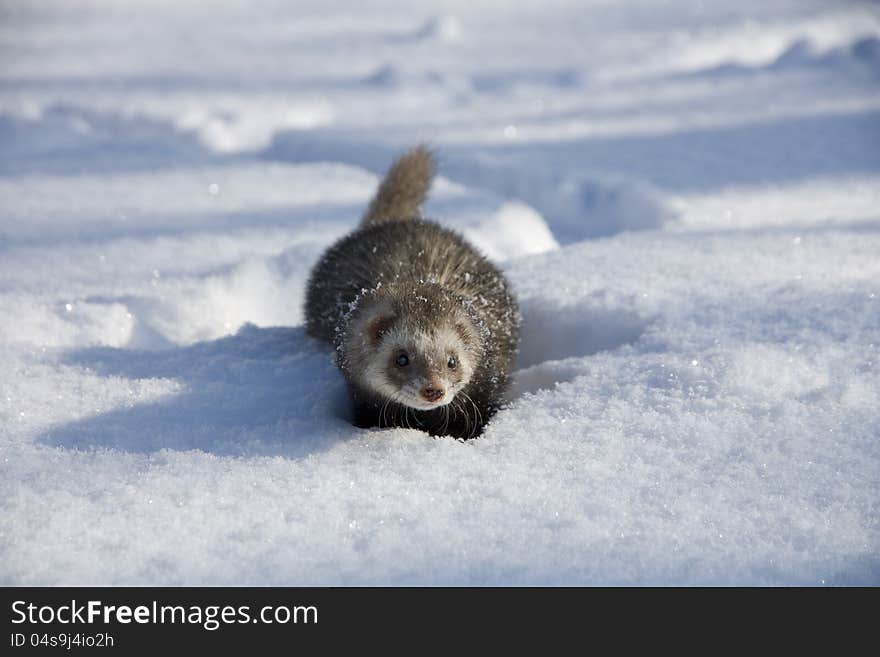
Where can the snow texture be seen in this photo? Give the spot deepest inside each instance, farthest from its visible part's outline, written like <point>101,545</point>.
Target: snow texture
<point>685,195</point>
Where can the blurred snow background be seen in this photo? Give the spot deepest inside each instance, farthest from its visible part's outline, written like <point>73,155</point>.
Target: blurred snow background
<point>686,195</point>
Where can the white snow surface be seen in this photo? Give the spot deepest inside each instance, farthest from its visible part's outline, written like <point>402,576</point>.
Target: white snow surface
<point>685,195</point>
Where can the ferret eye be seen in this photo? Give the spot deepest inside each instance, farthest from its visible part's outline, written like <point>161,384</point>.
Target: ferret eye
<point>402,360</point>
<point>452,363</point>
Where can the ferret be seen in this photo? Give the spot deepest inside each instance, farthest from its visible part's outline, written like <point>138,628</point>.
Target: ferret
<point>425,327</point>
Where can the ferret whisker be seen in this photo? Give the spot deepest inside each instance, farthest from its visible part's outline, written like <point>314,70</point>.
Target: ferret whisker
<point>463,410</point>
<point>478,415</point>
<point>383,419</point>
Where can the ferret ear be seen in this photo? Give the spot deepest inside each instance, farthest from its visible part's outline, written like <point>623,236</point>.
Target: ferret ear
<point>468,334</point>
<point>465,330</point>
<point>377,327</point>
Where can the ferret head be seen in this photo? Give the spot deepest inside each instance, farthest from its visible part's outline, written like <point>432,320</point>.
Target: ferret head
<point>419,349</point>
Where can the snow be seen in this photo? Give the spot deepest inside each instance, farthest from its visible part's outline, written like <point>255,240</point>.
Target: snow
<point>684,194</point>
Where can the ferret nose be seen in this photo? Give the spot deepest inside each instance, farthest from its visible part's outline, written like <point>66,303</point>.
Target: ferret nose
<point>432,394</point>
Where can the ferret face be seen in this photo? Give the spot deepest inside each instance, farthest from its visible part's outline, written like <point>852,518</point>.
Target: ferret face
<point>422,367</point>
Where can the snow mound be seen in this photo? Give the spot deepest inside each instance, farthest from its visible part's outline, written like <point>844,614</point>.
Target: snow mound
<point>514,230</point>
<point>780,43</point>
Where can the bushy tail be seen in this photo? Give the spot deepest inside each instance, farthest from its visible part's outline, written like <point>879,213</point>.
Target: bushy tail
<point>404,188</point>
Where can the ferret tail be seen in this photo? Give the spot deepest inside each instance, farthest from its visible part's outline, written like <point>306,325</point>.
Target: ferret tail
<point>404,188</point>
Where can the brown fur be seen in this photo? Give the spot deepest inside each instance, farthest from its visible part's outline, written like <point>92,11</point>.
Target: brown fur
<point>403,190</point>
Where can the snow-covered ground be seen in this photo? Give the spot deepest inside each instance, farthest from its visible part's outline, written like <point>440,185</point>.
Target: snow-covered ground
<point>685,194</point>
